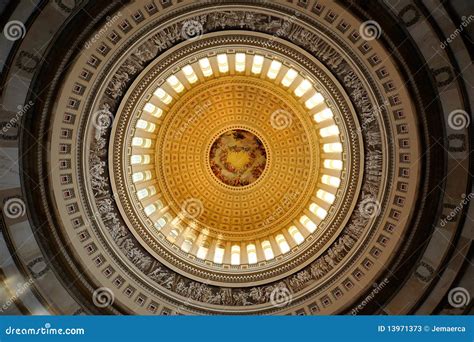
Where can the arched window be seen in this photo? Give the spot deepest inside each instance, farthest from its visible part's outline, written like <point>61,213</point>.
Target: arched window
<point>153,110</point>
<point>318,211</point>
<point>190,74</point>
<point>141,142</point>
<point>187,244</point>
<point>174,233</point>
<point>202,252</point>
<point>307,223</point>
<point>252,253</point>
<point>281,241</point>
<point>323,115</point>
<point>146,126</point>
<point>175,84</point>
<point>330,180</point>
<point>141,176</point>
<point>295,234</point>
<point>222,63</point>
<point>333,164</point>
<point>160,223</point>
<point>240,62</point>
<point>150,209</point>
<point>219,254</point>
<point>325,196</point>
<point>235,255</point>
<point>163,96</point>
<point>257,64</point>
<point>267,250</point>
<point>206,67</point>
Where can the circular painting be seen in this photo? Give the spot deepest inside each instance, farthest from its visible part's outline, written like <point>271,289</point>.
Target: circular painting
<point>238,158</point>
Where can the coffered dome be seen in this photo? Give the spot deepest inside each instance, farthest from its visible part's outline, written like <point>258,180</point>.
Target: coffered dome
<point>221,133</point>
<point>250,157</point>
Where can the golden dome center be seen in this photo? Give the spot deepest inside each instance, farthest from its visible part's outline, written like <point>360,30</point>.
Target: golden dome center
<point>237,158</point>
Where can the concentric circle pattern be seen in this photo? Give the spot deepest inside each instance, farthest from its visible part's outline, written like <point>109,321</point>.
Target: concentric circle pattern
<point>237,238</point>
<point>251,157</point>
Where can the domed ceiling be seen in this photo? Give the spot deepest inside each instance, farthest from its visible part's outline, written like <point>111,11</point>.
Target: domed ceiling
<point>238,157</point>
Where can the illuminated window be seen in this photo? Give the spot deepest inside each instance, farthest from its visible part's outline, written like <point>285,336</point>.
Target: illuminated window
<point>202,252</point>
<point>141,176</point>
<point>187,245</point>
<point>330,180</point>
<point>333,164</point>
<point>235,255</point>
<point>240,62</point>
<point>174,233</point>
<point>267,250</point>
<point>308,224</point>
<point>257,64</point>
<point>219,255</point>
<point>205,67</point>
<point>302,88</point>
<point>323,115</point>
<point>334,147</point>
<point>141,142</point>
<point>295,234</point>
<point>252,254</point>
<point>150,209</point>
<point>153,110</point>
<point>289,77</point>
<point>222,63</point>
<point>329,131</point>
<point>318,211</point>
<point>159,204</point>
<point>273,70</point>
<point>281,241</point>
<point>137,177</point>
<point>146,126</point>
<point>141,194</point>
<point>160,223</point>
<point>140,159</point>
<point>163,96</point>
<point>326,196</point>
<point>175,84</point>
<point>190,74</point>
<point>314,100</point>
